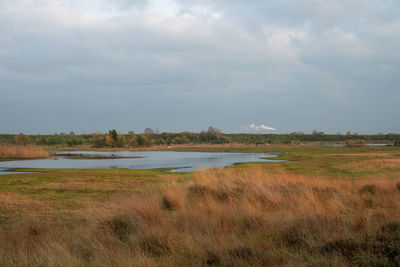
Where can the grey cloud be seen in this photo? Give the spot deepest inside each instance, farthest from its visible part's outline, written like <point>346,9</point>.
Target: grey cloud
<point>299,65</point>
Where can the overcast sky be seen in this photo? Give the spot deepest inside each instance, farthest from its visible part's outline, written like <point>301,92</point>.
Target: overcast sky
<point>289,65</point>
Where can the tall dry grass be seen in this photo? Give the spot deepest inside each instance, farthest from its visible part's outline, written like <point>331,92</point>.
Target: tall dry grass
<point>225,217</point>
<point>13,151</point>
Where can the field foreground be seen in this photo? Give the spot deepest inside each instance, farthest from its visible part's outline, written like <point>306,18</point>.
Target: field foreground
<point>264,214</point>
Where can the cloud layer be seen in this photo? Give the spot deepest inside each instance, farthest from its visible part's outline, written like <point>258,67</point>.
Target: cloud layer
<point>184,65</point>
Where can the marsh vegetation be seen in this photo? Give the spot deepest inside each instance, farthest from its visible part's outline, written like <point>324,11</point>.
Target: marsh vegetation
<point>325,206</point>
<point>18,151</point>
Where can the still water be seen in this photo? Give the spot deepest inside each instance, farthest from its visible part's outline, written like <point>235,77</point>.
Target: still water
<point>188,161</point>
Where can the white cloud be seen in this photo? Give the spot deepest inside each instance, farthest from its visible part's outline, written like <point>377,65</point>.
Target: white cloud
<point>254,127</point>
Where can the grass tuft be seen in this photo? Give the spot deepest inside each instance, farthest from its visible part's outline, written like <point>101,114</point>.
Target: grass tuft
<point>368,189</point>
<point>171,200</point>
<point>120,225</point>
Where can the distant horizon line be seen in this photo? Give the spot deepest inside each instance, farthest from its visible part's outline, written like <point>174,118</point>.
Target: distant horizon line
<point>198,132</point>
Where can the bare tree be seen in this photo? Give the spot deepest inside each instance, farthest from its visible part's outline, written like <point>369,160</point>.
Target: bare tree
<point>148,131</point>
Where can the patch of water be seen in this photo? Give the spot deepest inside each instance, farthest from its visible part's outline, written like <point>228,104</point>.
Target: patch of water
<point>146,160</point>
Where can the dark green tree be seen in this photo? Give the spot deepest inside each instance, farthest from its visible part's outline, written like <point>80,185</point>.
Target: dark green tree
<point>114,135</point>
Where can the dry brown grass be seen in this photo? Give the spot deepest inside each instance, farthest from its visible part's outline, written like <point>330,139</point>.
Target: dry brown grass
<point>384,163</point>
<point>226,217</point>
<point>11,151</point>
<point>13,203</point>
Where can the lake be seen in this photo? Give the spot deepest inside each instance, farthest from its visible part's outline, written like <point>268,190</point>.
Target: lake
<point>182,161</point>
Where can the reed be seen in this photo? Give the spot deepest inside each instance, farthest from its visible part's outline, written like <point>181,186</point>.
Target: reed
<point>13,151</point>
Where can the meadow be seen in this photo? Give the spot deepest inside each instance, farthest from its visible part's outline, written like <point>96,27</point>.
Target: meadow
<point>333,206</point>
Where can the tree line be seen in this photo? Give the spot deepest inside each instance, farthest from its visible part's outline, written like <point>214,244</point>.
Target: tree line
<point>212,135</point>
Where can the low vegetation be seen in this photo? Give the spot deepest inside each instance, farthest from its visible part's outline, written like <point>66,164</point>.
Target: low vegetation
<point>326,206</point>
<point>17,151</point>
<point>227,217</point>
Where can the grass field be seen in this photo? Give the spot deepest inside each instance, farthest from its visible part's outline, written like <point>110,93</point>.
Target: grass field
<point>325,206</point>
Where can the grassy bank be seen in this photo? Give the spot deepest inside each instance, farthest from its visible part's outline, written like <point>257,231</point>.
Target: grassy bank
<point>324,160</point>
<point>326,206</point>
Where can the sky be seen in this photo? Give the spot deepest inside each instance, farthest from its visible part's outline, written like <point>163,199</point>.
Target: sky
<point>271,66</point>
